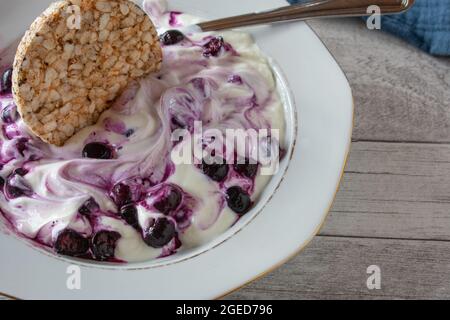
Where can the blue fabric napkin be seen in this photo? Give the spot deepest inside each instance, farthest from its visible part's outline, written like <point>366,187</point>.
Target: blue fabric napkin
<point>426,25</point>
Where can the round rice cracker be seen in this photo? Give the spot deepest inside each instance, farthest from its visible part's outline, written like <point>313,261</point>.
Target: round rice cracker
<point>65,77</point>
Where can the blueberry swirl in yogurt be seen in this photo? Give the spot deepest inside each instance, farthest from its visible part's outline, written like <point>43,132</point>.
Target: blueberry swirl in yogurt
<point>113,192</point>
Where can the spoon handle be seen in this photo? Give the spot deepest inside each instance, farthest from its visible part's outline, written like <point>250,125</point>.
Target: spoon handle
<point>313,9</point>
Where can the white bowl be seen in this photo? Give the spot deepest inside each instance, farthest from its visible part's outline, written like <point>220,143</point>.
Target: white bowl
<point>289,214</point>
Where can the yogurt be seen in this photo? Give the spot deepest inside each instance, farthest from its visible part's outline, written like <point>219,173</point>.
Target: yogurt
<point>135,203</point>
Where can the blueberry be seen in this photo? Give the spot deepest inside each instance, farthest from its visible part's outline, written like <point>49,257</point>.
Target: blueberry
<point>97,150</point>
<point>17,187</point>
<point>235,79</point>
<point>178,124</point>
<point>160,233</point>
<point>121,194</point>
<point>22,146</point>
<point>89,207</point>
<point>10,114</point>
<point>129,133</point>
<point>238,200</point>
<point>6,81</point>
<point>170,202</point>
<point>21,172</point>
<point>247,169</point>
<point>217,171</point>
<point>129,213</point>
<point>14,192</point>
<point>213,47</point>
<point>104,244</point>
<point>71,243</point>
<point>171,37</point>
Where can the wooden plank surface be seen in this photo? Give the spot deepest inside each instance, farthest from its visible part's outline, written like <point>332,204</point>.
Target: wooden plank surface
<point>393,207</point>
<point>401,93</point>
<point>335,268</point>
<point>394,190</point>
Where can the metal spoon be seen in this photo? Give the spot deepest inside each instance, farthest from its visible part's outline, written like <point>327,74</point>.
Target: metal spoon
<point>313,9</point>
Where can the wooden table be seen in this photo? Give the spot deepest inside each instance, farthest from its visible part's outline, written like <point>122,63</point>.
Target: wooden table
<point>393,207</point>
